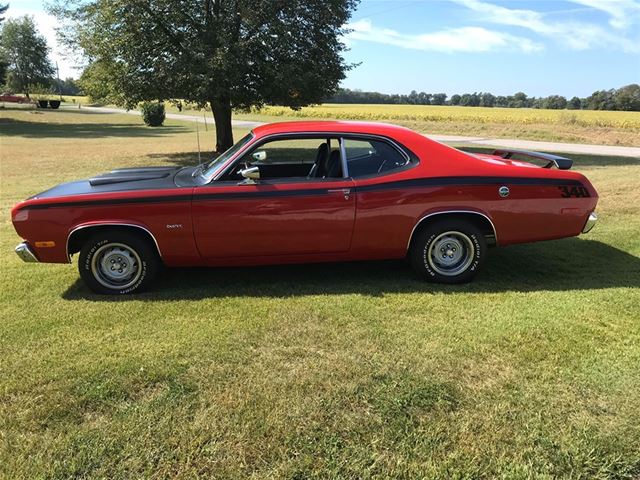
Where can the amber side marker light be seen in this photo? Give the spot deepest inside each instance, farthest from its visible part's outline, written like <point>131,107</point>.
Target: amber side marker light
<point>47,244</point>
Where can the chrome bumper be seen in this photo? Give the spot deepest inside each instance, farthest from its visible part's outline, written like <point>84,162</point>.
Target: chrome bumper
<point>24,252</point>
<point>591,222</point>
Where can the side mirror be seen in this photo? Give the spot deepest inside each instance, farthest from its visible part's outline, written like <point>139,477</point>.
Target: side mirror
<point>250,174</point>
<point>259,156</point>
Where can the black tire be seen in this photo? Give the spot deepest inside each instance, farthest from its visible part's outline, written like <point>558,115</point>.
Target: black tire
<point>133,262</point>
<point>448,251</point>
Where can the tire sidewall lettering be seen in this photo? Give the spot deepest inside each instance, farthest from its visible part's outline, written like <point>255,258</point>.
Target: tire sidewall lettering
<point>425,254</point>
<point>89,259</point>
<point>477,253</point>
<point>472,267</point>
<point>133,287</point>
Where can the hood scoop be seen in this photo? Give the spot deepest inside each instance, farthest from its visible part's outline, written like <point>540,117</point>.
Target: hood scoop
<point>123,175</point>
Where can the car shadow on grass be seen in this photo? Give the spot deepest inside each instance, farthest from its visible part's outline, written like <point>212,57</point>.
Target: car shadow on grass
<point>561,265</point>
<point>19,128</point>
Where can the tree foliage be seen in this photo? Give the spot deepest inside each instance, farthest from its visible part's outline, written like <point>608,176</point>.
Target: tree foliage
<point>153,113</point>
<point>26,53</point>
<point>228,54</point>
<point>3,61</point>
<point>95,82</point>
<point>625,98</point>
<point>68,86</point>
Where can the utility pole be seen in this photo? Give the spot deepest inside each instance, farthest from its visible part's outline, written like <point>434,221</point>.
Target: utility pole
<point>58,77</point>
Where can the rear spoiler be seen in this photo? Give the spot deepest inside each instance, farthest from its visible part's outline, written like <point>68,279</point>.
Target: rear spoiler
<point>560,163</point>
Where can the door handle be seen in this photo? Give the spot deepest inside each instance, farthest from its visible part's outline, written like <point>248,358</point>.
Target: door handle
<point>345,191</point>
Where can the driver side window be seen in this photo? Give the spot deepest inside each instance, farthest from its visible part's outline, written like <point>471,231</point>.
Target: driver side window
<point>300,158</point>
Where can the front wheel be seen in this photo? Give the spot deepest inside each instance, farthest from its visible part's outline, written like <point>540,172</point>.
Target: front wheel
<point>448,251</point>
<point>115,262</point>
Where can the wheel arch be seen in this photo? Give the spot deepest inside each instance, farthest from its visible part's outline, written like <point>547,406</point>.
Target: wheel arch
<point>481,220</point>
<point>79,234</point>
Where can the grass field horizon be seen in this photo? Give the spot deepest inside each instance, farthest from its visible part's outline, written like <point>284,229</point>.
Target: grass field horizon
<point>314,371</point>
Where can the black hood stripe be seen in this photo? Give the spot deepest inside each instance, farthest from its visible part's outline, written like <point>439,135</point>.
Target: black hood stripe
<point>433,182</point>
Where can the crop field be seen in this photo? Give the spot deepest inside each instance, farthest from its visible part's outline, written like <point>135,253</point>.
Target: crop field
<point>522,116</point>
<point>574,126</point>
<point>571,126</point>
<point>314,371</point>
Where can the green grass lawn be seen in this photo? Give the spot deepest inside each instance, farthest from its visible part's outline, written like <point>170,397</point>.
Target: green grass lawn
<point>324,371</point>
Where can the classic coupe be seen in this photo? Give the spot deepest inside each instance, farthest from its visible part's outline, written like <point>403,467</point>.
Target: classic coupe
<point>300,192</point>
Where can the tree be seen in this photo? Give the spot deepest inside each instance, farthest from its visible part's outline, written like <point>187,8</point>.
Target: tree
<point>487,100</point>
<point>455,99</point>
<point>95,83</point>
<point>554,102</point>
<point>227,54</point>
<point>3,61</point>
<point>601,100</point>
<point>574,104</point>
<point>439,99</point>
<point>68,86</point>
<point>470,100</point>
<point>502,101</point>
<point>628,98</point>
<point>26,53</point>
<point>519,100</point>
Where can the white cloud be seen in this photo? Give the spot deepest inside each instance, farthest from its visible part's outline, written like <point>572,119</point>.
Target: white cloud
<point>45,24</point>
<point>575,35</point>
<point>454,40</point>
<point>623,13</point>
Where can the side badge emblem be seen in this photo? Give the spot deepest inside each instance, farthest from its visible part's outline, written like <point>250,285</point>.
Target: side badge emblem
<point>503,191</point>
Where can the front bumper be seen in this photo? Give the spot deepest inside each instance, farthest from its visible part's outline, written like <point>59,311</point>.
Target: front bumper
<point>25,253</point>
<point>591,222</point>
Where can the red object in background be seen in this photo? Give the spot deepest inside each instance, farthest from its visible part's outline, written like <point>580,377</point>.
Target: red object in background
<point>327,191</point>
<point>10,98</point>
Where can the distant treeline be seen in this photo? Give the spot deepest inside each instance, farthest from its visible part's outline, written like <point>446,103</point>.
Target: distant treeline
<point>625,98</point>
<point>68,86</point>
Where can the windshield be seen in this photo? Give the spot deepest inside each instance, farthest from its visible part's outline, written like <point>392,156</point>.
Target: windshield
<point>214,166</point>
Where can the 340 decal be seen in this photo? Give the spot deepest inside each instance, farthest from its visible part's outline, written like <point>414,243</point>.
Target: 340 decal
<point>567,192</point>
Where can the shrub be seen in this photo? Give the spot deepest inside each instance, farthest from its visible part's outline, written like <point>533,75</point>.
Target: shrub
<point>153,113</point>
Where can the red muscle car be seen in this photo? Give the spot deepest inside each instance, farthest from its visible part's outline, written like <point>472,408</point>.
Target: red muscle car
<point>307,192</point>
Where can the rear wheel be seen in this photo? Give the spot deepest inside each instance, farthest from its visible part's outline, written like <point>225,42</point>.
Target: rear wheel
<point>448,251</point>
<point>115,262</point>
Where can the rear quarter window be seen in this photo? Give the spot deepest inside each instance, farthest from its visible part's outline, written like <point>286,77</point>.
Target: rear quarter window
<point>370,157</point>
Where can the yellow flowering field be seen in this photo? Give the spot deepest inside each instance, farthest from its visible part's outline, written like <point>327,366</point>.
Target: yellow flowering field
<point>522,116</point>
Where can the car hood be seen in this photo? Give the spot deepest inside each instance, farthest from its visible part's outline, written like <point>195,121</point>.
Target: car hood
<point>122,179</point>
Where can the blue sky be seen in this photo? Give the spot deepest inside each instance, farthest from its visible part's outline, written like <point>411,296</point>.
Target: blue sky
<point>541,47</point>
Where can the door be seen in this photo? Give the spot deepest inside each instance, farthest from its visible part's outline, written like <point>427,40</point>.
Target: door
<point>302,204</point>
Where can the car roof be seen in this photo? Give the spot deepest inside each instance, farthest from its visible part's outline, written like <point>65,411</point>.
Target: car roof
<point>329,126</point>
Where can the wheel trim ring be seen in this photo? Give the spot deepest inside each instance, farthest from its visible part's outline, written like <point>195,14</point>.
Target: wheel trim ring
<point>451,268</point>
<point>103,277</point>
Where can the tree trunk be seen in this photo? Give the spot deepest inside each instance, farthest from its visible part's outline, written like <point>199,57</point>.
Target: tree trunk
<point>221,108</point>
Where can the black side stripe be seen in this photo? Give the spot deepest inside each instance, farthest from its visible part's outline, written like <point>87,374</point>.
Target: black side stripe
<point>117,201</point>
<point>468,182</point>
<point>412,183</point>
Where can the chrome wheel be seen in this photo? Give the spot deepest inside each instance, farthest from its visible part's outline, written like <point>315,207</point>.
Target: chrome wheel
<point>451,253</point>
<point>116,266</point>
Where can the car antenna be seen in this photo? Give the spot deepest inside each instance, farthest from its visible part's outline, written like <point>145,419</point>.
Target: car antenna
<point>198,139</point>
